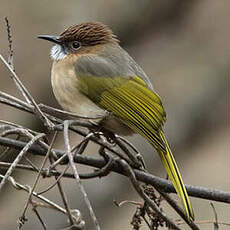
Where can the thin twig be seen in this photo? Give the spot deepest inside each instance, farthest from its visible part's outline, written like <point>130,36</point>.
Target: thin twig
<point>55,182</point>
<point>206,222</point>
<point>81,147</point>
<point>27,95</point>
<point>11,124</point>
<point>216,226</point>
<point>4,99</point>
<point>38,215</point>
<point>147,178</point>
<point>76,175</point>
<point>44,173</point>
<point>60,188</point>
<point>11,52</point>
<point>135,183</point>
<point>138,154</point>
<point>30,109</point>
<point>100,172</point>
<point>18,158</point>
<point>65,202</point>
<point>127,152</point>
<point>57,162</point>
<point>65,114</point>
<point>44,199</point>
<point>4,153</point>
<point>31,163</point>
<point>179,210</point>
<point>119,204</point>
<point>36,181</point>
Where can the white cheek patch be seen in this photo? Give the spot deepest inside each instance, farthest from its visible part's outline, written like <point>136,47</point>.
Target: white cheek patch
<point>57,52</point>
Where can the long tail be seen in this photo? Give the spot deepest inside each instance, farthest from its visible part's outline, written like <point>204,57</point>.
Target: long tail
<point>174,175</point>
<point>141,109</point>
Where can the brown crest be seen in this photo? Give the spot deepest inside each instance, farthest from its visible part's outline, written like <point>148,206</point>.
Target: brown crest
<point>88,34</point>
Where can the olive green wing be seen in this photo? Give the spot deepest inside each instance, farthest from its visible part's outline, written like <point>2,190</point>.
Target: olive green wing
<point>130,98</point>
<point>141,109</point>
<point>131,101</point>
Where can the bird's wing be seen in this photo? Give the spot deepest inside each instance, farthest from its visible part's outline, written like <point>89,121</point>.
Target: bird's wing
<point>112,63</point>
<point>131,101</point>
<point>140,108</point>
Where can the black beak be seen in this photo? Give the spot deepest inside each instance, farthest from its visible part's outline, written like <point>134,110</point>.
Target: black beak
<point>54,39</point>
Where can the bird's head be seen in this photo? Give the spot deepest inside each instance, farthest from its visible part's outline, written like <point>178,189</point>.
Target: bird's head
<point>80,39</point>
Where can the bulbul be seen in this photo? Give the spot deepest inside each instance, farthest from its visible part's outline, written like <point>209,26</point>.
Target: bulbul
<point>92,75</point>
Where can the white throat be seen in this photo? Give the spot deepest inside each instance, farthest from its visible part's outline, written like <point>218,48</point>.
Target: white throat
<point>57,52</point>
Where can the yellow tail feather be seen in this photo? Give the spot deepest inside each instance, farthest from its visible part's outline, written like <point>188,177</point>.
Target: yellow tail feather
<point>174,175</point>
<point>140,109</point>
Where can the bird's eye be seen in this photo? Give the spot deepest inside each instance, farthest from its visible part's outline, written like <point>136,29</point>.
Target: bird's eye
<point>75,45</point>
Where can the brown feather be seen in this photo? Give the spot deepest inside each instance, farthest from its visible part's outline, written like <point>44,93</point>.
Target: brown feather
<point>89,34</point>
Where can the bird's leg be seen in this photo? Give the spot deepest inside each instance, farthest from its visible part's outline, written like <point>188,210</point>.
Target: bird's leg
<point>136,159</point>
<point>110,136</point>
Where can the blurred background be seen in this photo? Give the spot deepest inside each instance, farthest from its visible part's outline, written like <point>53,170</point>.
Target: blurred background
<point>184,48</point>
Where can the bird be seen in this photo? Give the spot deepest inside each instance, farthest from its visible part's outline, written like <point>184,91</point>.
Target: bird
<point>92,75</point>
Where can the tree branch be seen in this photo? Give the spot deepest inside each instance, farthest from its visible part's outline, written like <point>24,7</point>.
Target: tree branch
<point>162,184</point>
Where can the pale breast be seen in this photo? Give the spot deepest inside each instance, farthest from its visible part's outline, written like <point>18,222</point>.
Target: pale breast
<point>64,83</point>
<point>65,87</point>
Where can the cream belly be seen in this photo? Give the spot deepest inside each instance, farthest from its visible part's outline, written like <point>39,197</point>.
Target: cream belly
<point>64,82</point>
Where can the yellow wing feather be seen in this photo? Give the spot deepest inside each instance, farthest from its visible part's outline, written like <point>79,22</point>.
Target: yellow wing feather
<point>140,109</point>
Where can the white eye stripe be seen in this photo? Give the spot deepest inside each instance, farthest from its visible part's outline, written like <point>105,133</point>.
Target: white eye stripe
<point>57,52</point>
